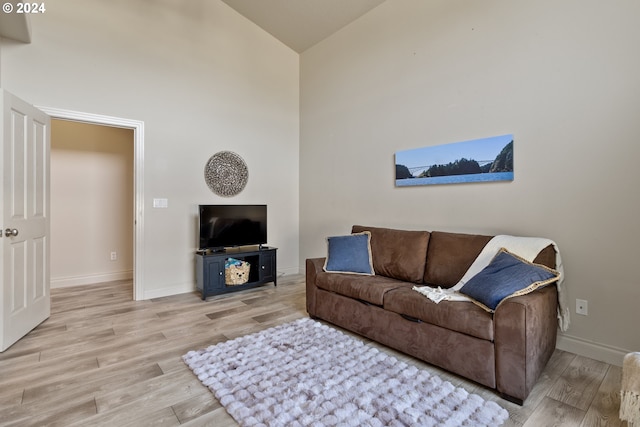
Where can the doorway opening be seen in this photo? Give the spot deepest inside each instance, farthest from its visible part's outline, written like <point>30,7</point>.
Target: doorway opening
<point>138,198</point>
<point>91,204</point>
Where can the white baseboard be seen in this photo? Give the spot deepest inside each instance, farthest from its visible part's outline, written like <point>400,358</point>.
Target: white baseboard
<point>191,287</point>
<point>148,293</point>
<point>593,350</point>
<point>288,271</point>
<point>169,290</point>
<point>65,282</point>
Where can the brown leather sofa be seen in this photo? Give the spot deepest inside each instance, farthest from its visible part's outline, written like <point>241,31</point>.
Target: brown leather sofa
<point>505,351</point>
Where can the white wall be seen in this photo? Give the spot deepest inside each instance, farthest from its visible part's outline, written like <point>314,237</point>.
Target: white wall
<point>91,203</point>
<point>203,79</point>
<point>561,76</point>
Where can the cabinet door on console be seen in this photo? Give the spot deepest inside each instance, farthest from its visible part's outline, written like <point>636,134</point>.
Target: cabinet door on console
<point>267,267</point>
<point>215,275</point>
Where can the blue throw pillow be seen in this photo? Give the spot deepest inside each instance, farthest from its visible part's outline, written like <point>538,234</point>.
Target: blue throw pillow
<point>349,254</point>
<point>507,275</point>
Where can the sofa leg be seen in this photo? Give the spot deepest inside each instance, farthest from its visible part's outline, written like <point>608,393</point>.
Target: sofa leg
<point>512,399</point>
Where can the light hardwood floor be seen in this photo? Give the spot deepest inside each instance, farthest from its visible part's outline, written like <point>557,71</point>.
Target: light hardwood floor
<point>103,359</point>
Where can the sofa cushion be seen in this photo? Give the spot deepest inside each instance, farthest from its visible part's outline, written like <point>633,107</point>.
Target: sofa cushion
<point>349,254</point>
<point>507,275</point>
<point>460,316</point>
<point>547,257</point>
<point>398,254</point>
<point>450,255</point>
<point>370,289</point>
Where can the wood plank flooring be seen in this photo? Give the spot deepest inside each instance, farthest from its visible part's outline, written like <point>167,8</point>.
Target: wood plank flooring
<point>103,359</point>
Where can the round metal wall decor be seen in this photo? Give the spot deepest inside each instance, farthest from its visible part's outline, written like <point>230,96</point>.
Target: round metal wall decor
<point>226,173</point>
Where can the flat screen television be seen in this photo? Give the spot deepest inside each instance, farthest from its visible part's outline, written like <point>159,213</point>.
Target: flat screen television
<point>223,226</point>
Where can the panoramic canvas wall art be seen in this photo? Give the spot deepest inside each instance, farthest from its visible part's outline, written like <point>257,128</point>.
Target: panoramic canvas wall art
<point>478,160</point>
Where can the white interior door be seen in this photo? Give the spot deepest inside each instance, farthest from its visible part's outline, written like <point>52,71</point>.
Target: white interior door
<point>25,300</point>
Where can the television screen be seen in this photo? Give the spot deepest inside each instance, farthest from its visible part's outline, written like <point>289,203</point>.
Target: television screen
<point>232,225</point>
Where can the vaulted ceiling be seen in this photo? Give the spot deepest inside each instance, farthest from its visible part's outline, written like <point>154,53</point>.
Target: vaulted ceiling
<point>301,24</point>
<point>15,26</point>
<point>298,24</point>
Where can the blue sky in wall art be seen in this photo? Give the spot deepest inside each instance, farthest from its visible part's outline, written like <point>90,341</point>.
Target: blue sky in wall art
<point>478,160</point>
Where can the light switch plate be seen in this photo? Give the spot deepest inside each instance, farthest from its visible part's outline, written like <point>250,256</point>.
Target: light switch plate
<point>160,203</point>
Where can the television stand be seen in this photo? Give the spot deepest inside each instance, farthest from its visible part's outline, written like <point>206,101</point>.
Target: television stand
<point>210,271</point>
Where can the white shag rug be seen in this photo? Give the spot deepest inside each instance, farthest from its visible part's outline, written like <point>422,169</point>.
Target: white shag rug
<point>305,373</point>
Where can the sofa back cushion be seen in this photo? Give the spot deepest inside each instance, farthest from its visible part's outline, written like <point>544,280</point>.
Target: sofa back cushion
<point>547,257</point>
<point>398,254</point>
<point>450,255</point>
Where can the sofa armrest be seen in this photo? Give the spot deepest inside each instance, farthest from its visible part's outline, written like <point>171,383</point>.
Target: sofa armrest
<point>313,267</point>
<point>525,331</point>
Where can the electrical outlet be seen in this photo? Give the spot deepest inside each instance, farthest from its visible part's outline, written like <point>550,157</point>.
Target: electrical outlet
<point>582,307</point>
<point>114,256</point>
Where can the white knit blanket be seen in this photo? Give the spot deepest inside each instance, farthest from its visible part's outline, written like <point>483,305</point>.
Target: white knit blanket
<point>630,390</point>
<point>525,247</point>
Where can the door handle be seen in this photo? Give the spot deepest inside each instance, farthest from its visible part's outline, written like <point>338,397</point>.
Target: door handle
<point>11,232</point>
